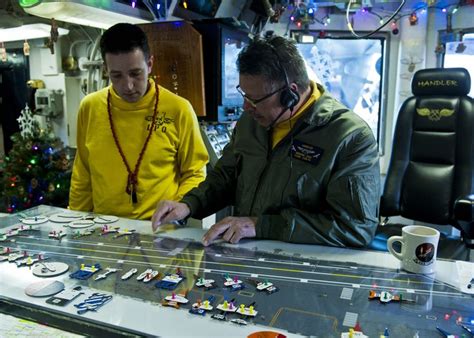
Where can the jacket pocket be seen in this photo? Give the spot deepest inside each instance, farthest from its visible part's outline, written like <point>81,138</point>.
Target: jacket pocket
<point>308,190</point>
<point>364,195</point>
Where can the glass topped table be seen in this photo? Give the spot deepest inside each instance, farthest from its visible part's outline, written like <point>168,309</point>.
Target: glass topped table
<point>319,291</point>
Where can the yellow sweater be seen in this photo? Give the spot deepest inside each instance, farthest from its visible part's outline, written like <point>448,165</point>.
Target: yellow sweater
<point>173,163</point>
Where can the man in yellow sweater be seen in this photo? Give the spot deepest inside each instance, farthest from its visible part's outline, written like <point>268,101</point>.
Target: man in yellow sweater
<point>137,142</point>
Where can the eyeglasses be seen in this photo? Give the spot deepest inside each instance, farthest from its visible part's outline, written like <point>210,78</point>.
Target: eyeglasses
<point>257,101</point>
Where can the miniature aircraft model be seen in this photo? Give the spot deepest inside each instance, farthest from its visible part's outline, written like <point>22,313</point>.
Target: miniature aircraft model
<point>219,316</point>
<point>264,286</point>
<point>170,281</point>
<point>235,284</point>
<point>231,281</point>
<point>144,273</point>
<point>175,300</point>
<point>56,234</point>
<point>150,276</point>
<point>247,310</point>
<point>147,275</point>
<point>16,231</point>
<point>28,261</point>
<point>85,271</point>
<point>353,333</point>
<point>16,255</point>
<point>386,297</point>
<point>238,321</point>
<point>206,305</point>
<point>124,232</point>
<point>208,284</point>
<point>6,251</point>
<point>227,306</point>
<point>23,228</point>
<point>130,273</point>
<point>106,273</point>
<point>79,234</point>
<point>105,230</point>
<point>180,298</point>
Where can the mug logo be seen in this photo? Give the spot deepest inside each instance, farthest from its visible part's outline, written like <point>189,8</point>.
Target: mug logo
<point>424,253</point>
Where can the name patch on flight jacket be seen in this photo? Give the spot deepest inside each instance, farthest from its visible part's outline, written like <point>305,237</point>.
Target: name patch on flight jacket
<point>306,152</point>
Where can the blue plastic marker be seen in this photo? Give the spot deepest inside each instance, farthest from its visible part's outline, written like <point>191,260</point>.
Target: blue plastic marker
<point>446,333</point>
<point>467,329</point>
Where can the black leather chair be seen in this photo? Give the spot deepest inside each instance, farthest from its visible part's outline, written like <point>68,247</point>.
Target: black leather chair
<point>431,173</point>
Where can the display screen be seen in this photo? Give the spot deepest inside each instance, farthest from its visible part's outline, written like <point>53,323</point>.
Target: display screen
<point>351,70</point>
<point>461,54</point>
<point>232,44</point>
<point>42,100</point>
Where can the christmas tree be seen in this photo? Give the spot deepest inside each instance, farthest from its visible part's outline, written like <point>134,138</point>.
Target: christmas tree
<point>37,169</point>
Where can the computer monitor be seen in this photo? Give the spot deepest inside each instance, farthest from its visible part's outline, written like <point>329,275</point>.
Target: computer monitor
<point>221,45</point>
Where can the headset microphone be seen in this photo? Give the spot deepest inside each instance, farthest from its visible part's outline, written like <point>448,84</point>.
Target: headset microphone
<point>271,125</point>
<point>289,97</point>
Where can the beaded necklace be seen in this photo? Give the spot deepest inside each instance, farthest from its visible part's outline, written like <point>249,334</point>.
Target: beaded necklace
<point>132,179</point>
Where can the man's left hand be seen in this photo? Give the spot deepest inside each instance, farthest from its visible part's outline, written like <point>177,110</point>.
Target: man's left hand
<point>232,230</point>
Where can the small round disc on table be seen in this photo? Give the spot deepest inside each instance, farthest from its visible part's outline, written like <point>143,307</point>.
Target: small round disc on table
<point>65,217</point>
<point>49,269</point>
<point>81,223</point>
<point>44,288</point>
<point>34,220</point>
<point>105,219</point>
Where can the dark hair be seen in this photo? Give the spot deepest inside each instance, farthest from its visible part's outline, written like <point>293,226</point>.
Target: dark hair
<point>124,38</point>
<point>267,57</point>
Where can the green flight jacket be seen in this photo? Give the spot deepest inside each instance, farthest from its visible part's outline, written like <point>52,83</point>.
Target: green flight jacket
<point>319,185</point>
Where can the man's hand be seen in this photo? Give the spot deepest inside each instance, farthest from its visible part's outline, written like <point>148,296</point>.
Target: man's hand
<point>232,230</point>
<point>167,211</point>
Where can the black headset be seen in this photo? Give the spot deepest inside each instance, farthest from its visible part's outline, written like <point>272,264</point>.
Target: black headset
<point>289,97</point>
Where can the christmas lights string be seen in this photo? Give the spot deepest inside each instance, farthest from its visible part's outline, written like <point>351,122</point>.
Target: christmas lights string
<point>304,14</point>
<point>351,29</point>
<point>412,15</point>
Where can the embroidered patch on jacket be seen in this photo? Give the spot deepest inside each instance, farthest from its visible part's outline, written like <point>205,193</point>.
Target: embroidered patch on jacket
<point>306,152</point>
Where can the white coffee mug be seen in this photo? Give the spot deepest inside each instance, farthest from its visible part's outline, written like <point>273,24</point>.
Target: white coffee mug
<point>419,245</point>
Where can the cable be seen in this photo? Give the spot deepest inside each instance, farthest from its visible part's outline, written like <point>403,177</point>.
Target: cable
<point>87,34</point>
<point>351,29</point>
<point>291,157</point>
<point>149,5</point>
<point>71,48</point>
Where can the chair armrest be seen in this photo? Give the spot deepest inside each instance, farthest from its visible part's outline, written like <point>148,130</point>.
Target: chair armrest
<point>464,208</point>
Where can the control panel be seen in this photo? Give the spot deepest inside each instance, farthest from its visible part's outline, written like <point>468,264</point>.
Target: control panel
<point>227,114</point>
<point>49,102</point>
<point>216,136</point>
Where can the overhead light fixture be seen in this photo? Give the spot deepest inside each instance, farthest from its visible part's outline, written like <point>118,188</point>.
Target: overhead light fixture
<point>99,14</point>
<point>29,32</point>
<point>307,38</point>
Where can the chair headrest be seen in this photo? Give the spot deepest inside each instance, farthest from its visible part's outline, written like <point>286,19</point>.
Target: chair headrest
<point>441,81</point>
